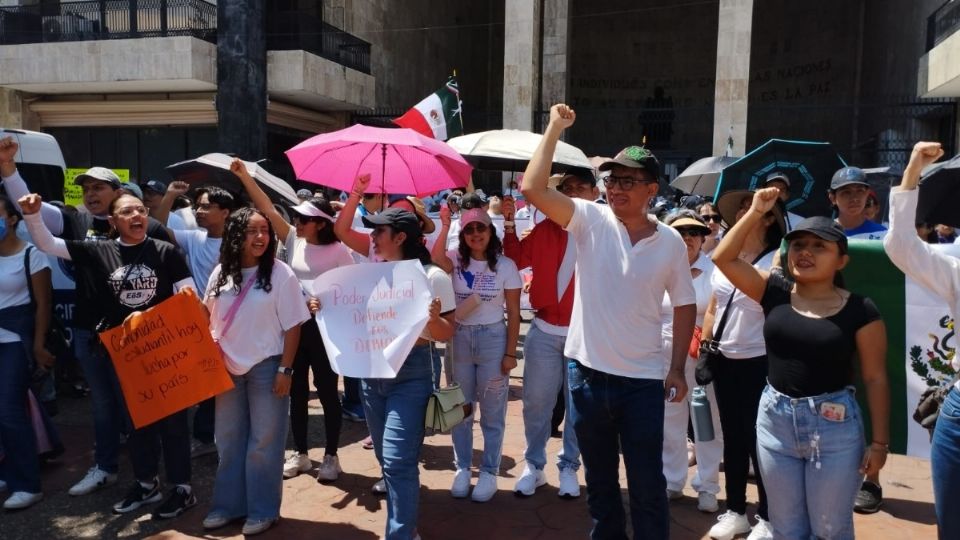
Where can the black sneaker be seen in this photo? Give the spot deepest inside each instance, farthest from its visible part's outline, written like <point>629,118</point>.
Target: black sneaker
<point>869,498</point>
<point>137,497</point>
<point>178,502</point>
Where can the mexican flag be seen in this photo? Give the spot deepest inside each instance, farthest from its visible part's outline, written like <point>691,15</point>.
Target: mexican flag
<point>920,339</point>
<point>438,115</point>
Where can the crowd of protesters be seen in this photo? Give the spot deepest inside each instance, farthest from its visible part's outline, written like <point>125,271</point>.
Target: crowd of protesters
<point>621,299</point>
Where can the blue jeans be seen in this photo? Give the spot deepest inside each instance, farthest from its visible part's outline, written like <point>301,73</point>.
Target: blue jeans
<point>544,376</point>
<point>478,352</point>
<point>614,414</point>
<point>251,430</point>
<point>395,410</point>
<point>20,468</point>
<point>945,464</point>
<point>109,407</point>
<point>813,462</point>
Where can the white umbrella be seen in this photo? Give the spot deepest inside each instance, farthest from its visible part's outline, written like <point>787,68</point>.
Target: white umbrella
<point>511,150</point>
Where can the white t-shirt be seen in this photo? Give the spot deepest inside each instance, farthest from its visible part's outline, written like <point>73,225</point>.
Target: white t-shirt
<point>701,285</point>
<point>259,325</point>
<point>13,284</point>
<point>615,325</point>
<point>203,252</point>
<point>308,261</point>
<point>743,335</point>
<point>489,285</point>
<point>442,288</point>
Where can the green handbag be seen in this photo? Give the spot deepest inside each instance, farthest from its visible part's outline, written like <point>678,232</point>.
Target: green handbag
<point>445,408</point>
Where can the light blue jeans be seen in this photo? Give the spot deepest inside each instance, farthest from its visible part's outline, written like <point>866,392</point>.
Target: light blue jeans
<point>250,432</point>
<point>544,375</point>
<point>477,353</point>
<point>812,462</point>
<point>945,464</point>
<point>395,410</point>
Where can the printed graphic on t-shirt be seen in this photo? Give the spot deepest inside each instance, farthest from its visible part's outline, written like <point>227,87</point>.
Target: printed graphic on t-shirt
<point>482,283</point>
<point>140,287</point>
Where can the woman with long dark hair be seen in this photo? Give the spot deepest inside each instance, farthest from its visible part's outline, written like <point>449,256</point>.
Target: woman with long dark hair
<point>395,408</point>
<point>810,436</point>
<point>742,370</point>
<point>256,309</point>
<point>312,248</point>
<point>484,348</point>
<point>133,273</point>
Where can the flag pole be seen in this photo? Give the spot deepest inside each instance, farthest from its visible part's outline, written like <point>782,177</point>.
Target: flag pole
<point>383,174</point>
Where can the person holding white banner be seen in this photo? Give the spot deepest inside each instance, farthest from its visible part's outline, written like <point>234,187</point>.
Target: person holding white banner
<point>312,248</point>
<point>941,275</point>
<point>484,349</point>
<point>396,408</point>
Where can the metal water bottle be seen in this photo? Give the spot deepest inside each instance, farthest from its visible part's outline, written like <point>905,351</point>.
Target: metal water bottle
<point>701,416</point>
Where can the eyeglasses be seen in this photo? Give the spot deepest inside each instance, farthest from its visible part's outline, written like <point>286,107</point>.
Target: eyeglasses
<point>478,228</point>
<point>716,218</point>
<point>128,211</point>
<point>691,232</point>
<point>624,183</point>
<point>305,219</point>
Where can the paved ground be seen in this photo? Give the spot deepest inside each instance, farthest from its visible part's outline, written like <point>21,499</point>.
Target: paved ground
<point>348,510</point>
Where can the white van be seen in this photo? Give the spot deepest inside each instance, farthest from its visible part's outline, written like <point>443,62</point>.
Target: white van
<point>39,161</point>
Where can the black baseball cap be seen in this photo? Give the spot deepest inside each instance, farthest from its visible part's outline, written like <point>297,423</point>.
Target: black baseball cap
<point>634,157</point>
<point>398,218</point>
<point>472,200</point>
<point>847,176</point>
<point>821,226</point>
<point>777,176</point>
<point>155,186</point>
<point>581,173</point>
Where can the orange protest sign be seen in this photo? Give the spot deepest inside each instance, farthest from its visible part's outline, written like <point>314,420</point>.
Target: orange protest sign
<point>166,359</point>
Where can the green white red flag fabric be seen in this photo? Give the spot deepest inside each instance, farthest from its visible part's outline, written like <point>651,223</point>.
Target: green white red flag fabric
<point>438,115</point>
<point>920,339</point>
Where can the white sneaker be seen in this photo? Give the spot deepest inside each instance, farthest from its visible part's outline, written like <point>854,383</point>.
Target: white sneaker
<point>486,488</point>
<point>569,484</point>
<point>461,484</point>
<point>380,488</point>
<point>729,524</point>
<point>330,469</point>
<point>763,530</point>
<point>296,464</point>
<point>95,479</point>
<point>22,499</point>
<point>707,502</point>
<point>529,481</point>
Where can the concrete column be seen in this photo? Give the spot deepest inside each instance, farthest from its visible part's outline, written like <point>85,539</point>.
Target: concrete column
<point>242,78</point>
<point>733,75</point>
<point>556,25</point>
<point>521,57</point>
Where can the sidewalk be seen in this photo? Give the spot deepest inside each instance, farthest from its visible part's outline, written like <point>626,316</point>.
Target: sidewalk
<point>348,510</point>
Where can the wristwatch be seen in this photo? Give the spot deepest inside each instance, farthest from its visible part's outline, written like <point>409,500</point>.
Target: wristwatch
<point>285,370</point>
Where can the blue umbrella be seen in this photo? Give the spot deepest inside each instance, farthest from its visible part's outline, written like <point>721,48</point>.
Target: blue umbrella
<point>808,165</point>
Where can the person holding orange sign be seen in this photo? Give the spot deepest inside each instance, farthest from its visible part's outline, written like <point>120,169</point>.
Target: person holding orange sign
<point>133,273</point>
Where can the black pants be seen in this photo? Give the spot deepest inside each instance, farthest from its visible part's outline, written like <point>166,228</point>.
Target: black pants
<point>312,354</point>
<point>169,436</point>
<point>738,384</point>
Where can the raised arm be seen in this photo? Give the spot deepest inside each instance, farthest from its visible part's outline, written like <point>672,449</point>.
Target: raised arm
<point>742,274</point>
<point>343,226</point>
<point>162,212</point>
<point>920,261</point>
<point>439,253</point>
<point>260,199</point>
<point>555,205</point>
<point>16,188</point>
<point>42,238</point>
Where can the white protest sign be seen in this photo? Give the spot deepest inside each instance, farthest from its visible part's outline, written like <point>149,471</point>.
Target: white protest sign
<point>371,316</point>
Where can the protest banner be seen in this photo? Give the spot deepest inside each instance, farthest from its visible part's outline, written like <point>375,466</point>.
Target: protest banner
<point>166,359</point>
<point>371,316</point>
<point>73,194</point>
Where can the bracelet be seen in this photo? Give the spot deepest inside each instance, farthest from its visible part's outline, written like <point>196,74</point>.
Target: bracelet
<point>510,356</point>
<point>880,446</point>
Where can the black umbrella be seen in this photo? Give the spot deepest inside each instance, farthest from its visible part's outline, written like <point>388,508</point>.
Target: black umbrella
<point>701,177</point>
<point>940,193</point>
<point>214,170</point>
<point>808,165</point>
<point>880,180</point>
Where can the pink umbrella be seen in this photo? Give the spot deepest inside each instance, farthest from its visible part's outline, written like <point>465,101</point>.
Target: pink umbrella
<point>397,160</point>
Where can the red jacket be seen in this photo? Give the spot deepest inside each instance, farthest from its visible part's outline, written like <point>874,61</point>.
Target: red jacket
<point>543,251</point>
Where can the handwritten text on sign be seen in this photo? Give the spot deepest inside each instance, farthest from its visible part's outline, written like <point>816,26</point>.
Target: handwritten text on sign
<point>166,360</point>
<point>372,315</point>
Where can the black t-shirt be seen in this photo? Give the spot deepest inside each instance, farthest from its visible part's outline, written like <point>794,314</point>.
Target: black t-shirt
<point>80,226</point>
<point>811,356</point>
<point>128,278</point>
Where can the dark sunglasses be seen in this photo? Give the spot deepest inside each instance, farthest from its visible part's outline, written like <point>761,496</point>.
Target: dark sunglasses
<point>716,218</point>
<point>306,219</point>
<point>475,228</point>
<point>691,231</point>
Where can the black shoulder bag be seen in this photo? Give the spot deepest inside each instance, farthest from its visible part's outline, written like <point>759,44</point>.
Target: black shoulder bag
<point>56,341</point>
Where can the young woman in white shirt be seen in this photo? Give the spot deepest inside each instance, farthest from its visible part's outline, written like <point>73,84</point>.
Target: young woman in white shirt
<point>256,309</point>
<point>312,248</point>
<point>484,348</point>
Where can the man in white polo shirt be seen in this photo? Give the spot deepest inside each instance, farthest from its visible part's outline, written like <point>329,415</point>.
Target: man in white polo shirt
<point>626,261</point>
